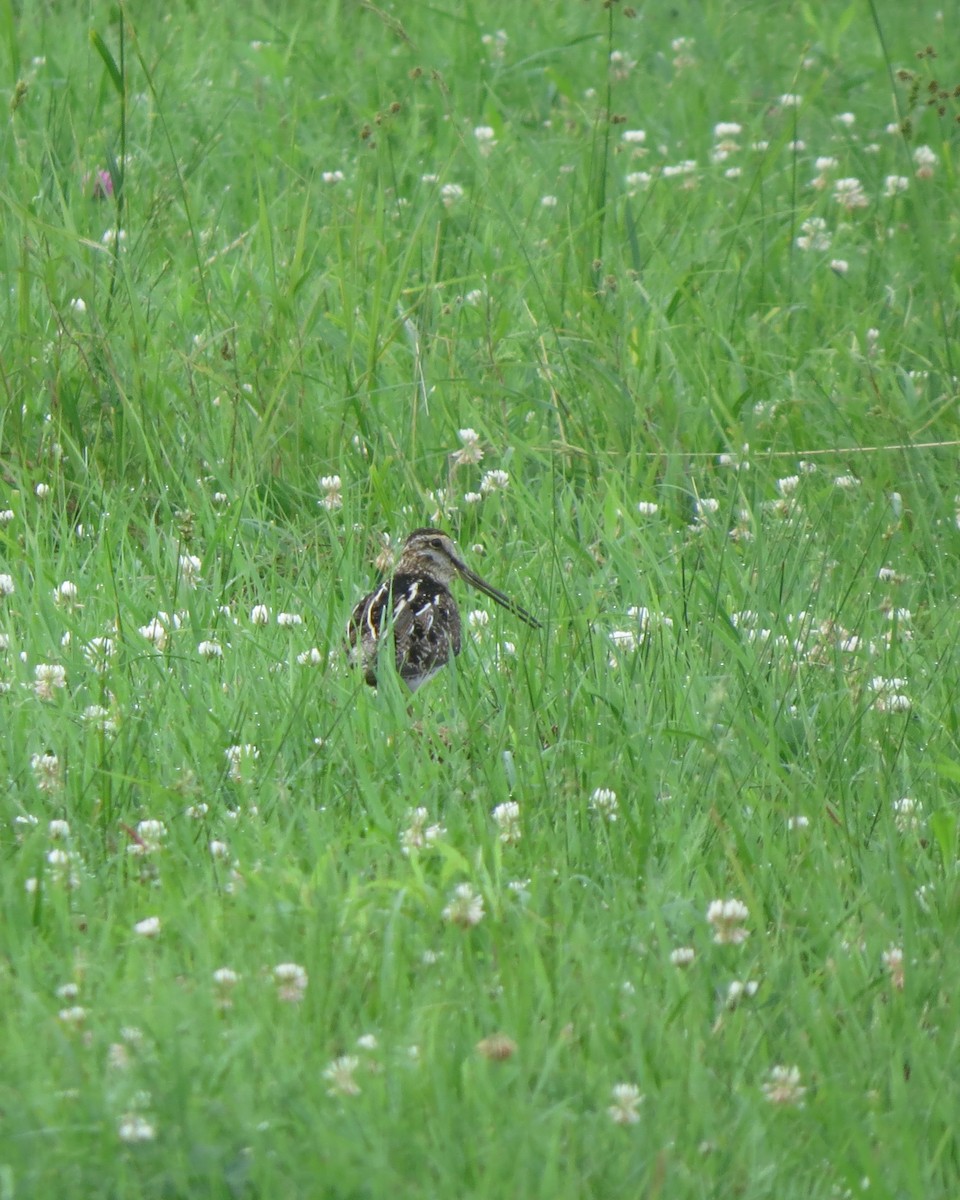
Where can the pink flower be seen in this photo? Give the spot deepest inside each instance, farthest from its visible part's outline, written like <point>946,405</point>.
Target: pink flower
<point>99,185</point>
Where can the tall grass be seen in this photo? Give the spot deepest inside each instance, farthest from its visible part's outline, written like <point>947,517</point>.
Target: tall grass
<point>263,265</point>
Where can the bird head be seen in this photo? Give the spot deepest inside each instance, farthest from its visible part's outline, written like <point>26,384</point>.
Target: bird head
<point>433,552</point>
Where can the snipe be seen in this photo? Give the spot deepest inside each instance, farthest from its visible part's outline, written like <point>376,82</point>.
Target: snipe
<point>416,608</point>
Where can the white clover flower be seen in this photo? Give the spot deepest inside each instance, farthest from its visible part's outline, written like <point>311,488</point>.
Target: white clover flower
<point>58,830</point>
<point>331,499</point>
<point>647,508</point>
<point>75,1015</point>
<point>46,771</point>
<point>727,918</point>
<point>134,1127</point>
<point>627,1099</point>
<point>419,835</point>
<point>78,306</point>
<point>496,43</point>
<point>908,814</point>
<point>42,491</point>
<point>638,179</point>
<point>683,956</point>
<point>156,632</point>
<point>443,499</point>
<point>151,834</point>
<point>789,100</point>
<point>465,907</point>
<point>149,927</point>
<point>100,719</point>
<point>621,65</point>
<point>604,803</point>
<point>679,170</point>
<point>726,129</point>
<point>48,678</point>
<point>548,202</point>
<point>486,139</point>
<point>788,485</point>
<point>339,1075</point>
<point>332,176</point>
<point>647,619</point>
<point>98,651</point>
<point>62,868</point>
<point>289,620</point>
<point>259,615</point>
<point>839,266</point>
<point>634,137</point>
<point>238,759</point>
<point>895,703</point>
<point>451,194</point>
<point>310,658</point>
<point>66,593</point>
<point>887,685</point>
<point>624,639</point>
<point>507,817</point>
<point>798,822</point>
<point>814,235</point>
<point>740,989</point>
<point>493,481</point>
<point>893,961</point>
<point>471,450</point>
<point>783,1087</point>
<point>849,194</point>
<point>6,516</point>
<point>210,649</point>
<point>722,150</point>
<point>291,980</point>
<point>225,980</point>
<point>189,570</point>
<point>893,185</point>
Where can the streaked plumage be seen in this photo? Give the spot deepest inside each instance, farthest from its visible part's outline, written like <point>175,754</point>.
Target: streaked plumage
<point>416,608</point>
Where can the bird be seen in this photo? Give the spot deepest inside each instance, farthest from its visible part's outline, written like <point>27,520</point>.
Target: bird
<point>415,608</point>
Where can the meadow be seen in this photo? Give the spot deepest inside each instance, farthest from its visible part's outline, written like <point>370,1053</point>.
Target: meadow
<point>655,310</point>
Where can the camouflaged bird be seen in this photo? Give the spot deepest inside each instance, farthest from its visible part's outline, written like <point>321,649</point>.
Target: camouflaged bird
<point>415,608</point>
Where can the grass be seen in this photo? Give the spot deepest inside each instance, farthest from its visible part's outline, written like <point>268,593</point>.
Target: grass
<point>302,261</point>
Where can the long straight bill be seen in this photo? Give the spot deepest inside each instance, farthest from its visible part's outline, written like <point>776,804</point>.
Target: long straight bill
<point>504,601</point>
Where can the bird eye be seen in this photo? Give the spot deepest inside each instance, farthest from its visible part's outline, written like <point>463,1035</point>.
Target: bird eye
<point>437,543</point>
